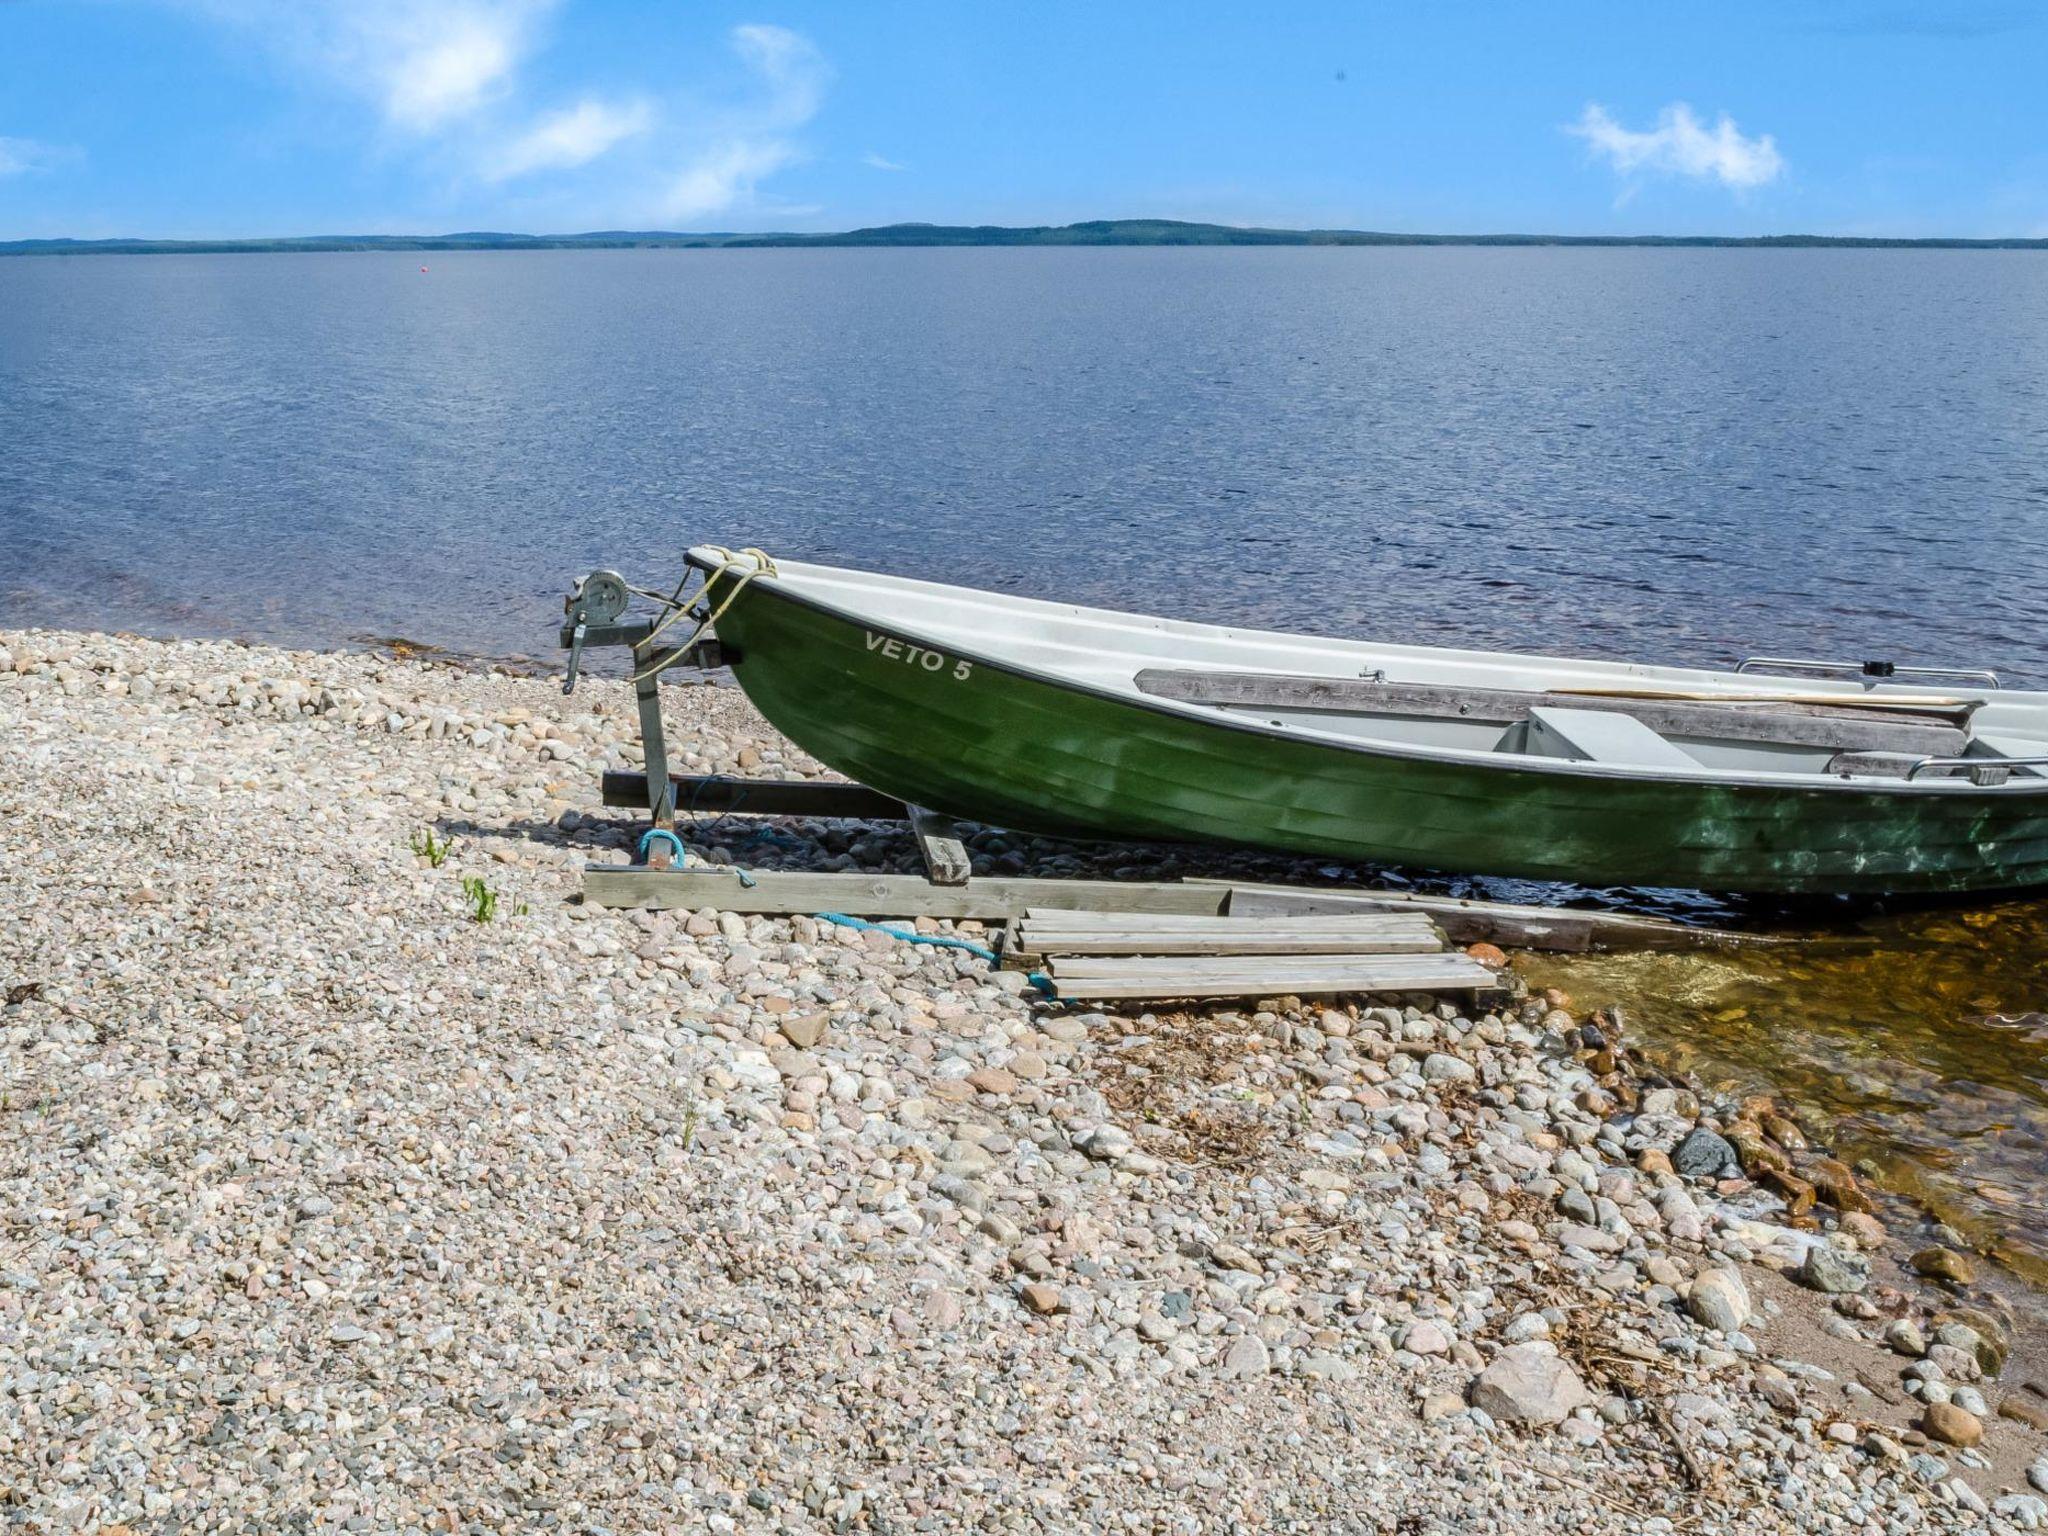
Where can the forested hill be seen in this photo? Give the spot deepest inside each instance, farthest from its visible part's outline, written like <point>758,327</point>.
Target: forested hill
<point>1093,232</point>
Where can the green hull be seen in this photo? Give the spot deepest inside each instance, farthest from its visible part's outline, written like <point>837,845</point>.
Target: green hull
<point>987,742</point>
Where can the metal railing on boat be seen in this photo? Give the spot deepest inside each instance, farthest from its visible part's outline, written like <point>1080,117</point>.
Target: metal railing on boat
<point>1982,771</point>
<point>1871,669</point>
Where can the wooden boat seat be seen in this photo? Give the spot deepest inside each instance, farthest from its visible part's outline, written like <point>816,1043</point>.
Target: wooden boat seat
<point>1599,736</point>
<point>1816,726</point>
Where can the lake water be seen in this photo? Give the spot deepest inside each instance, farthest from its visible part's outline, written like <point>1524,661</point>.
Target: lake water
<point>1677,455</point>
<point>1671,455</point>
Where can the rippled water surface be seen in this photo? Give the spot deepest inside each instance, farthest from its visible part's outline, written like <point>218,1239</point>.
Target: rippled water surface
<point>1671,455</point>
<point>1678,455</point>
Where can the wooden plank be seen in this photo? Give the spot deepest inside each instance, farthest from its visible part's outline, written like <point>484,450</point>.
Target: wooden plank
<point>1415,942</point>
<point>1511,925</point>
<point>1552,930</point>
<point>1057,917</point>
<point>863,895</point>
<point>1146,934</point>
<point>1279,984</point>
<point>1232,977</point>
<point>1873,765</point>
<point>940,844</point>
<point>1866,703</point>
<point>1300,930</point>
<point>657,789</point>
<point>1786,721</point>
<point>1205,967</point>
<point>725,795</point>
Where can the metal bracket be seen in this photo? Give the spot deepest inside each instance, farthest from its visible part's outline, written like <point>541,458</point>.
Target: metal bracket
<point>576,639</point>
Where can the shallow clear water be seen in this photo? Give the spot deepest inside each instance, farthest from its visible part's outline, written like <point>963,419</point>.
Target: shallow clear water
<point>1924,1049</point>
<point>1679,456</point>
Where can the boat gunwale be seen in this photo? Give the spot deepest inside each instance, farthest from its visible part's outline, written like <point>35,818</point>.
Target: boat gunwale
<point>1756,780</point>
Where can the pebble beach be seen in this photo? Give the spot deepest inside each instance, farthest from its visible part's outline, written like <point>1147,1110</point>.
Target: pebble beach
<point>356,1177</point>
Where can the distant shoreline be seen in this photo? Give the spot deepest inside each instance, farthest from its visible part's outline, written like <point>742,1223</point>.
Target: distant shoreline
<point>1102,232</point>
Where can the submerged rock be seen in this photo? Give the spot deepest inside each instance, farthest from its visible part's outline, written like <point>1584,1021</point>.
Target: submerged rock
<point>1705,1154</point>
<point>1945,1264</point>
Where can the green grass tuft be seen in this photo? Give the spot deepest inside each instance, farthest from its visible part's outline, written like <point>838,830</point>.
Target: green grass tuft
<point>483,901</point>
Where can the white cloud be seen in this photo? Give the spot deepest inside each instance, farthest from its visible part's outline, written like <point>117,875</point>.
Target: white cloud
<point>726,170</point>
<point>433,65</point>
<point>794,71</point>
<point>20,156</point>
<point>444,79</point>
<point>723,176</point>
<point>574,136</point>
<point>880,162</point>
<point>1681,145</point>
<point>423,63</point>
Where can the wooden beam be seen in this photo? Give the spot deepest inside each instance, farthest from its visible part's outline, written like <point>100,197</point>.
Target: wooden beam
<point>1170,922</point>
<point>993,899</point>
<point>1000,899</point>
<point>1081,933</point>
<point>1277,941</point>
<point>1248,976</point>
<point>719,793</point>
<point>1800,723</point>
<point>1511,925</point>
<point>940,845</point>
<point>1552,929</point>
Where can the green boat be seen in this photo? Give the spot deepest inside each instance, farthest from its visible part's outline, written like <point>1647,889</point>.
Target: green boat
<point>1779,775</point>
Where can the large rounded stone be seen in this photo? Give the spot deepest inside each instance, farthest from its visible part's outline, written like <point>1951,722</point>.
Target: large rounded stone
<point>1719,1299</point>
<point>1529,1384</point>
<point>1952,1425</point>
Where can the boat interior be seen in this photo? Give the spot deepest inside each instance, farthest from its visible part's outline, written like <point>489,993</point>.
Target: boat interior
<point>1800,732</point>
<point>1935,729</point>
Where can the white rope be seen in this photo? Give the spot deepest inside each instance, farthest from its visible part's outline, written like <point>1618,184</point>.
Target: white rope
<point>763,566</point>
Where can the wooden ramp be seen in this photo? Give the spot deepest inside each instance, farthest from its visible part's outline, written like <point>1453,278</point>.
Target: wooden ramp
<point>1102,955</point>
<point>949,888</point>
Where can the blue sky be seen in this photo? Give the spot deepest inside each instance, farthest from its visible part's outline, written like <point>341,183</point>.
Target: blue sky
<point>271,117</point>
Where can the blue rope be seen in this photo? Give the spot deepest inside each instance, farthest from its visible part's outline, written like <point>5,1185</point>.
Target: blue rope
<point>647,837</point>
<point>1037,979</point>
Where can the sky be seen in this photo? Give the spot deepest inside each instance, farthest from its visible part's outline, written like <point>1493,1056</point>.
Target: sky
<point>224,118</point>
